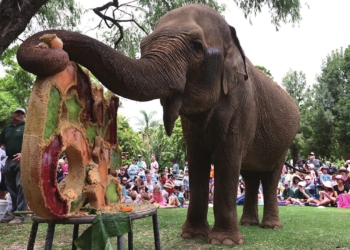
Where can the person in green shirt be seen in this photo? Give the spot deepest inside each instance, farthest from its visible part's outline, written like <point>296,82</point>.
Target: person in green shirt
<point>301,195</point>
<point>12,137</point>
<point>287,193</point>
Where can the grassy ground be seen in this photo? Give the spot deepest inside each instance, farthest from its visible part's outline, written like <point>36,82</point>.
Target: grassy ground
<point>303,228</point>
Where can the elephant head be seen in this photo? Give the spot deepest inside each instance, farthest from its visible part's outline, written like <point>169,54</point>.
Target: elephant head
<point>192,58</point>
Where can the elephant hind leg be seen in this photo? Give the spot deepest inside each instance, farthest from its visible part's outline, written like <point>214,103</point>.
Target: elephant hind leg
<point>250,215</point>
<point>270,182</point>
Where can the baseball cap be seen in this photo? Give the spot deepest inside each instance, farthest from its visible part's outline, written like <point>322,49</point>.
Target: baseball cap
<point>302,183</point>
<point>20,109</point>
<point>286,183</point>
<point>312,153</point>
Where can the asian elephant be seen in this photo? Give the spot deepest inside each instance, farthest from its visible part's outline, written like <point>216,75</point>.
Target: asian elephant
<point>232,114</point>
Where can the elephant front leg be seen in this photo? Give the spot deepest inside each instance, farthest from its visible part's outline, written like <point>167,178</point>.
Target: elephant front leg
<point>250,215</point>
<point>196,224</point>
<point>225,230</point>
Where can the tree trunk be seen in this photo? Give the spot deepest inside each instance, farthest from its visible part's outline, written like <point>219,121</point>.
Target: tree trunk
<point>14,17</point>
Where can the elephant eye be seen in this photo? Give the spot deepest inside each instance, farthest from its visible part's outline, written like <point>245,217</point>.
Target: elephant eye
<point>196,46</point>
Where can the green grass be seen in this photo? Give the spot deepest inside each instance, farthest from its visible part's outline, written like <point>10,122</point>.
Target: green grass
<point>303,228</point>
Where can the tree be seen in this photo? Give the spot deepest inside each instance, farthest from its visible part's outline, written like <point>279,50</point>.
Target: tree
<point>281,10</point>
<point>295,84</point>
<point>16,16</point>
<point>15,87</point>
<point>263,69</point>
<point>146,122</point>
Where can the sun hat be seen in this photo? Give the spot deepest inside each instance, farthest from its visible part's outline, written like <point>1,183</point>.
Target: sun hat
<point>343,169</point>
<point>327,184</point>
<point>300,159</point>
<point>340,177</point>
<point>325,167</point>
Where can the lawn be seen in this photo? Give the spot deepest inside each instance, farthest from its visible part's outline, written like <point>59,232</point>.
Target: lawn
<point>303,228</point>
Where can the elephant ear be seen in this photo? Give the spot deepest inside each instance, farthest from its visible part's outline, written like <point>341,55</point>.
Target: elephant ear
<point>234,62</point>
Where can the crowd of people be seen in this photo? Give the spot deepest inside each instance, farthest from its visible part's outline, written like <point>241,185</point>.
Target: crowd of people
<point>142,183</point>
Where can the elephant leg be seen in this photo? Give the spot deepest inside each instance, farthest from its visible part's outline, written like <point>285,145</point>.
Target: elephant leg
<point>196,224</point>
<point>225,230</point>
<point>270,182</point>
<point>250,208</point>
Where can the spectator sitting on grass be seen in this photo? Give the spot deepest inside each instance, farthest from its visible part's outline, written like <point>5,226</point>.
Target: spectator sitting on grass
<point>287,194</point>
<point>326,195</point>
<point>340,188</point>
<point>295,180</point>
<point>344,172</point>
<point>157,197</point>
<point>301,195</point>
<point>180,195</point>
<point>325,175</point>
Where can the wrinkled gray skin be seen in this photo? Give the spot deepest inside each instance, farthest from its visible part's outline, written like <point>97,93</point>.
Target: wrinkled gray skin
<point>232,114</point>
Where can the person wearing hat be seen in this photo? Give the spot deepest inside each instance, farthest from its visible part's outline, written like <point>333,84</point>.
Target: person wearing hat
<point>301,195</point>
<point>300,163</point>
<point>345,173</point>
<point>133,169</point>
<point>12,137</point>
<point>340,188</point>
<point>326,195</point>
<point>295,180</point>
<point>287,193</point>
<point>317,163</point>
<point>325,174</point>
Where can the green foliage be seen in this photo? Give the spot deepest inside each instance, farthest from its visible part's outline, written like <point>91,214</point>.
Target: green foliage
<point>281,10</point>
<point>15,86</point>
<point>263,69</point>
<point>56,14</point>
<point>53,108</point>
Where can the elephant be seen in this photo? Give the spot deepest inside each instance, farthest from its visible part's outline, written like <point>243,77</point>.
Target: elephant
<point>232,114</point>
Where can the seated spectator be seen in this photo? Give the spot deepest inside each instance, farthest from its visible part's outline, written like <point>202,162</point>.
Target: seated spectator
<point>125,183</point>
<point>345,173</point>
<point>60,170</point>
<point>325,174</point>
<point>286,196</point>
<point>300,163</point>
<point>125,197</point>
<point>157,197</point>
<point>149,183</point>
<point>301,195</point>
<point>122,174</point>
<point>162,180</point>
<point>310,185</point>
<point>326,195</point>
<point>139,186</point>
<point>65,166</point>
<point>312,174</point>
<point>171,181</point>
<point>169,188</point>
<point>180,195</point>
<point>295,180</point>
<point>340,188</point>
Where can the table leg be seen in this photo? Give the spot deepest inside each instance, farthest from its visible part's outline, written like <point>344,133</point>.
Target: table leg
<point>49,235</point>
<point>32,235</point>
<point>131,239</point>
<point>156,231</point>
<point>75,236</point>
<point>120,242</point>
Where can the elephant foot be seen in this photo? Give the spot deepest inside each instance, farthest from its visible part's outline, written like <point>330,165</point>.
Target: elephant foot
<point>198,231</point>
<point>249,221</point>
<point>272,223</point>
<point>225,237</point>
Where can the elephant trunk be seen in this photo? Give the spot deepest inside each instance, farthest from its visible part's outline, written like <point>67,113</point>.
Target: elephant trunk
<point>144,79</point>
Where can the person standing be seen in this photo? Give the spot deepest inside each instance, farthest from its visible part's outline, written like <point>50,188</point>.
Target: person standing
<point>154,165</point>
<point>142,167</point>
<point>175,169</point>
<point>12,137</point>
<point>3,157</point>
<point>317,163</point>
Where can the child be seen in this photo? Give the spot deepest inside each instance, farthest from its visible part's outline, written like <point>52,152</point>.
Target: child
<point>325,175</point>
<point>179,195</point>
<point>157,197</point>
<point>186,184</point>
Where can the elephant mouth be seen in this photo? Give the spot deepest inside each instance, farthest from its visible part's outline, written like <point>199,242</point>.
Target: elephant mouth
<point>171,107</point>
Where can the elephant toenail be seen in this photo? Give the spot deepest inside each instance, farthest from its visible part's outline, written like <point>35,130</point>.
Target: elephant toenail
<point>215,242</point>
